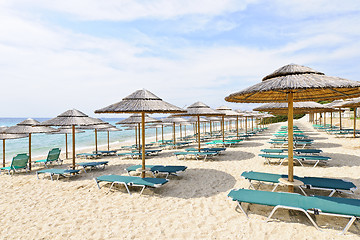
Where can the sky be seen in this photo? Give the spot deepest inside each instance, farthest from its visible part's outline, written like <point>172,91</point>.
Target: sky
<point>88,54</point>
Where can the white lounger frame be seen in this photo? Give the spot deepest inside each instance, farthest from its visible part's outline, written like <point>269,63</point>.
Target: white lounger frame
<point>126,185</point>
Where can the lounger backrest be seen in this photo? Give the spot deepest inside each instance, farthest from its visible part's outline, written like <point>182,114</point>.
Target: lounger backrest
<point>20,161</point>
<point>53,154</point>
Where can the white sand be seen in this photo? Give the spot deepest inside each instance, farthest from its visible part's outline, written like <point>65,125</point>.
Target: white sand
<point>192,206</point>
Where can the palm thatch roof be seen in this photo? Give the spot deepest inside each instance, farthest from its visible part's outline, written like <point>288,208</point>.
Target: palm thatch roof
<point>29,126</point>
<point>4,136</point>
<point>200,109</point>
<point>174,119</point>
<point>71,117</point>
<point>227,111</point>
<point>136,118</point>
<point>110,129</point>
<point>299,107</point>
<point>194,119</point>
<point>354,103</point>
<point>305,83</point>
<point>66,130</point>
<point>141,101</point>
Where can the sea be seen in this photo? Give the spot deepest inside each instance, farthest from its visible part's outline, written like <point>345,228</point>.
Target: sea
<point>42,143</point>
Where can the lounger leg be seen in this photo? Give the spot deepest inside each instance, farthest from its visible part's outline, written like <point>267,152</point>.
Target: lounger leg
<point>332,193</point>
<point>97,183</point>
<point>302,190</point>
<point>352,220</point>
<point>112,184</point>
<point>239,206</point>
<point>298,160</point>
<point>276,185</point>
<point>127,188</point>
<point>142,190</point>
<point>316,163</point>
<point>37,175</point>
<point>51,176</point>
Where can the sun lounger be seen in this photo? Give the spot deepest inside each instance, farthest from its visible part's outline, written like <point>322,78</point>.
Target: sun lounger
<point>131,181</point>
<point>92,165</point>
<point>299,158</point>
<point>106,153</point>
<point>316,183</point>
<point>317,205</point>
<point>197,155</point>
<point>53,156</point>
<point>130,154</point>
<point>58,172</point>
<point>226,143</point>
<point>18,162</point>
<point>297,144</point>
<point>88,155</point>
<point>219,150</point>
<point>150,151</point>
<point>297,151</point>
<point>159,169</point>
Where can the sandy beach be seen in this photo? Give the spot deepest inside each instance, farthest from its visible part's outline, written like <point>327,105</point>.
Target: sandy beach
<point>193,205</point>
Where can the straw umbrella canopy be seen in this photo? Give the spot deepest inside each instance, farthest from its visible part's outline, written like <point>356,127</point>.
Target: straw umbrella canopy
<point>136,119</point>
<point>66,130</point>
<point>141,101</point>
<point>71,118</point>
<point>103,126</point>
<point>200,109</point>
<point>355,103</point>
<point>228,113</point>
<point>108,130</point>
<point>5,136</point>
<point>212,120</point>
<point>298,107</point>
<point>245,115</point>
<point>296,83</point>
<point>174,120</point>
<point>28,127</point>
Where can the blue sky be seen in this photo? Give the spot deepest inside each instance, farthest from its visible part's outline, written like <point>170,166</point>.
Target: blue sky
<point>87,54</point>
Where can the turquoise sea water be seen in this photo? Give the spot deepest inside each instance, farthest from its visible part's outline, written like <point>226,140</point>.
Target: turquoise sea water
<point>42,143</point>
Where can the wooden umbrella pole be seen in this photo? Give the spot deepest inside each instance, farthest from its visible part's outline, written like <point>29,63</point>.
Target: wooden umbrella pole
<point>252,124</point>
<point>354,122</point>
<point>180,132</point>
<point>156,135</point>
<point>29,151</point>
<point>210,128</point>
<point>331,119</point>
<point>66,146</point>
<point>246,125</point>
<point>143,144</point>
<point>174,135</point>
<point>324,119</point>
<point>73,146</point>
<point>198,125</point>
<point>222,127</point>
<point>340,119</point>
<point>320,118</point>
<point>108,137</point>
<point>139,137</point>
<point>3,152</point>
<point>237,127</point>
<point>185,130</point>
<point>290,141</point>
<point>162,133</point>
<point>96,147</point>
<point>136,141</point>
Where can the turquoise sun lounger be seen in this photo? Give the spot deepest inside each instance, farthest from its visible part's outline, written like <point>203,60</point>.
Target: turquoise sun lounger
<point>58,172</point>
<point>18,162</point>
<point>131,181</point>
<point>316,183</point>
<point>92,165</point>
<point>106,153</point>
<point>53,156</point>
<point>88,155</point>
<point>299,158</point>
<point>197,155</point>
<point>159,169</point>
<point>317,205</point>
<point>297,151</point>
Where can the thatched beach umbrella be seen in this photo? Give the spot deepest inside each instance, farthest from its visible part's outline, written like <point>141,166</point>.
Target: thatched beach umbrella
<point>108,130</point>
<point>228,113</point>
<point>200,109</point>
<point>334,104</point>
<point>355,103</point>
<point>141,101</point>
<point>136,119</point>
<point>296,83</point>
<point>4,136</point>
<point>174,120</point>
<point>66,130</point>
<point>71,118</point>
<point>29,127</point>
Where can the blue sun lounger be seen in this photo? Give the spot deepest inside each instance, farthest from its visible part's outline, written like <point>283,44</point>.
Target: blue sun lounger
<point>53,156</point>
<point>317,205</point>
<point>316,183</point>
<point>88,155</point>
<point>18,162</point>
<point>106,153</point>
<point>299,158</point>
<point>92,165</point>
<point>297,151</point>
<point>131,181</point>
<point>214,149</point>
<point>130,154</point>
<point>159,169</point>
<point>58,172</point>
